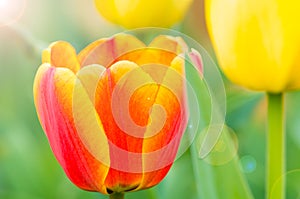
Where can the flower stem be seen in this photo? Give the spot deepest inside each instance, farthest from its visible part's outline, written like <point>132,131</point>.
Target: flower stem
<point>117,196</point>
<point>275,147</point>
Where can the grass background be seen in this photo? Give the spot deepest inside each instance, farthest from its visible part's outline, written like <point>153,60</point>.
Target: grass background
<point>28,168</point>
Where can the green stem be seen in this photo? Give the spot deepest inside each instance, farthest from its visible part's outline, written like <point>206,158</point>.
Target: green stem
<point>275,147</point>
<point>117,196</point>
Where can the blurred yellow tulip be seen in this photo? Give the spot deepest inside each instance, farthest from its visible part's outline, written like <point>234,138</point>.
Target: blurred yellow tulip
<point>143,13</point>
<point>257,42</point>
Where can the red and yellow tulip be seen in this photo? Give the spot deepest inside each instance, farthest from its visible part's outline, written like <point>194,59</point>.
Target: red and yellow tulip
<point>115,113</point>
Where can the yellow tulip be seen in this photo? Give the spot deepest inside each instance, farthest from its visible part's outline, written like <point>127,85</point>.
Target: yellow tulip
<point>257,42</point>
<point>143,13</point>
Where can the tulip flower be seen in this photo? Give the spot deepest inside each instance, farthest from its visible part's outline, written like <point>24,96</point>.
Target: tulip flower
<point>258,46</point>
<point>143,13</point>
<point>115,113</point>
<point>257,42</point>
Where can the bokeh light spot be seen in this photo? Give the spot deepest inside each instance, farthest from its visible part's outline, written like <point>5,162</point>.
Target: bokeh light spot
<point>3,3</point>
<point>225,148</point>
<point>248,163</point>
<point>292,185</point>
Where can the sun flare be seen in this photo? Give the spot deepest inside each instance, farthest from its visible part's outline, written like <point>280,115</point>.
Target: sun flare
<point>11,11</point>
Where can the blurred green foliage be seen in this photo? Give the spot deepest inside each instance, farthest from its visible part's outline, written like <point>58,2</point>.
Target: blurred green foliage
<point>28,169</point>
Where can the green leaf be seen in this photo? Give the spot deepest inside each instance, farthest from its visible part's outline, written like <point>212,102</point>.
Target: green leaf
<point>217,174</point>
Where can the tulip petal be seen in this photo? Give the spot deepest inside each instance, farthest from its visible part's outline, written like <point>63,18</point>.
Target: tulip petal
<point>107,52</point>
<point>257,43</point>
<point>169,43</point>
<point>149,56</point>
<point>89,77</point>
<point>108,9</point>
<point>61,54</point>
<point>179,9</point>
<point>162,50</point>
<point>53,94</point>
<point>119,177</point>
<point>196,59</point>
<point>87,50</point>
<point>160,150</point>
<point>143,13</point>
